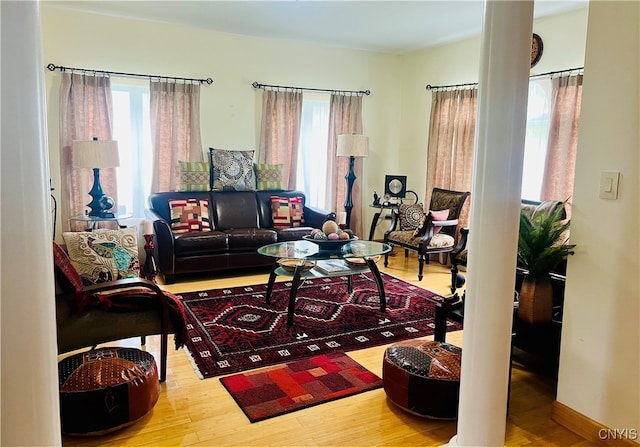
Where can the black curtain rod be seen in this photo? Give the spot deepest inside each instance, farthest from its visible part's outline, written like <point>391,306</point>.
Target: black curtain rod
<point>53,67</point>
<point>256,84</point>
<point>474,84</point>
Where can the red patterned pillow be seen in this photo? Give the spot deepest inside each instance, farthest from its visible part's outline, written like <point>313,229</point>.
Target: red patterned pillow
<point>64,266</point>
<point>286,212</point>
<point>189,215</point>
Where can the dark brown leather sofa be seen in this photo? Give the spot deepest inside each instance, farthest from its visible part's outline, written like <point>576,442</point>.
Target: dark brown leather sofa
<point>241,223</point>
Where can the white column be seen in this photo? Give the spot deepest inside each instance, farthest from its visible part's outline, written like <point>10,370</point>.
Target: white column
<point>495,207</point>
<point>29,375</point>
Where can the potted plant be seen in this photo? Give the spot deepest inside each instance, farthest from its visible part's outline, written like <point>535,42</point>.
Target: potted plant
<point>542,246</point>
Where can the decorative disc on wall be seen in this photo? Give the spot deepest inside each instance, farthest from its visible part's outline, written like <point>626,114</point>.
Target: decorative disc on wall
<point>536,49</point>
<point>395,185</point>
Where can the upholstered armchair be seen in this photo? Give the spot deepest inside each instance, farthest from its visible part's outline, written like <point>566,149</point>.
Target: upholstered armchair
<point>428,231</point>
<point>88,315</point>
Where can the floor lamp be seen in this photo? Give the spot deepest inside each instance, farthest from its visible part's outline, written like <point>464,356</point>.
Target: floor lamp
<point>96,154</point>
<point>351,145</point>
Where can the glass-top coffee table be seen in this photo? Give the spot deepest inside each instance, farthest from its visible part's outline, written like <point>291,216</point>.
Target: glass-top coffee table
<point>305,258</point>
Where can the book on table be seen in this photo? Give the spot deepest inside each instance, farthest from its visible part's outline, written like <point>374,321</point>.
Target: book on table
<point>332,266</point>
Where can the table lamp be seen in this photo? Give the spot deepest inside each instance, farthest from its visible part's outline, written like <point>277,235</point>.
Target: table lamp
<point>96,154</point>
<point>351,145</point>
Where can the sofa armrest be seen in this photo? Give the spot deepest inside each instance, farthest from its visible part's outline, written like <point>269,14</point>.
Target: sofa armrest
<point>316,217</point>
<point>164,251</point>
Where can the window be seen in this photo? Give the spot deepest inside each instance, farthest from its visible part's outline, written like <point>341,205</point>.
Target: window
<point>536,139</point>
<point>131,128</point>
<point>312,159</point>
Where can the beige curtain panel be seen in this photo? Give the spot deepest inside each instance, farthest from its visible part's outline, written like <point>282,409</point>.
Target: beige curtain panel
<point>280,132</point>
<point>451,143</point>
<point>560,164</point>
<point>86,111</point>
<point>175,131</point>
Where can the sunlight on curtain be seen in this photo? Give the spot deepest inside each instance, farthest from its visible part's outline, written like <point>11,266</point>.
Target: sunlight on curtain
<point>537,136</point>
<point>312,162</point>
<point>132,130</point>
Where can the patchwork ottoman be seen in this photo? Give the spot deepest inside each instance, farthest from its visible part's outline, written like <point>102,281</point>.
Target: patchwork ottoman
<point>106,389</point>
<point>423,377</point>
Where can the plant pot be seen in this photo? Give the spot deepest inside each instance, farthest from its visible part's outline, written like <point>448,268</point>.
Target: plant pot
<point>536,300</point>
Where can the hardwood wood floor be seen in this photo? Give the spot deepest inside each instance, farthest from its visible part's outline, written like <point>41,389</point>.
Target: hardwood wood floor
<point>194,412</point>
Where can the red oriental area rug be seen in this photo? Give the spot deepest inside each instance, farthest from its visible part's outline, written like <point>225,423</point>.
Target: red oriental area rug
<point>281,389</point>
<point>231,330</point>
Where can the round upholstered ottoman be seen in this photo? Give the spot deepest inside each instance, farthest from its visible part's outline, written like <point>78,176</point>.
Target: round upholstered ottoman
<point>423,377</point>
<point>106,389</point>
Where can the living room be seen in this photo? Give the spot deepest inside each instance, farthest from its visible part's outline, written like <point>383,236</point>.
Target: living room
<point>396,120</point>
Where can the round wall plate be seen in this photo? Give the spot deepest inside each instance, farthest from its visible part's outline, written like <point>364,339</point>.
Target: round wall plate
<point>536,49</point>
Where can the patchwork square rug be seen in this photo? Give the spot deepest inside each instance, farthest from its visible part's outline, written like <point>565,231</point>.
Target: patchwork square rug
<point>280,389</point>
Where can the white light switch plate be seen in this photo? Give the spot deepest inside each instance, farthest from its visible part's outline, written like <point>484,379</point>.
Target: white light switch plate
<point>609,185</point>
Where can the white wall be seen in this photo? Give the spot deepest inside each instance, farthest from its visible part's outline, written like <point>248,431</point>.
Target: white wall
<point>600,355</point>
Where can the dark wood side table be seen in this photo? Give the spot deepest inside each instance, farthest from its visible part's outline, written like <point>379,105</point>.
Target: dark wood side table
<point>456,313</point>
<point>376,216</point>
<point>444,313</point>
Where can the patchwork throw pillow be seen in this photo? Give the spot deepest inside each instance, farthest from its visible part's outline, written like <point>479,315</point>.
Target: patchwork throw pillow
<point>286,212</point>
<point>436,216</point>
<point>194,176</point>
<point>268,177</point>
<point>104,255</point>
<point>410,216</point>
<point>189,215</point>
<point>233,170</point>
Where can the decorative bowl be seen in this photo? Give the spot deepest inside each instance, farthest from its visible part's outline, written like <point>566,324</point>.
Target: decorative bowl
<point>360,262</point>
<point>329,244</point>
<point>291,264</point>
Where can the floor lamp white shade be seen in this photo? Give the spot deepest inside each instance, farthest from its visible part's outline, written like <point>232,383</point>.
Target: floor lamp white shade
<point>351,145</point>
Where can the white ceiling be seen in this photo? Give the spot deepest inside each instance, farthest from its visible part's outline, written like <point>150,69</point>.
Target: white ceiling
<point>383,26</point>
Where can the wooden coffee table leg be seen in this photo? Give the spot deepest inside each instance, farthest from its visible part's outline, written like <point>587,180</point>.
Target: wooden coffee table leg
<point>376,275</point>
<point>292,294</point>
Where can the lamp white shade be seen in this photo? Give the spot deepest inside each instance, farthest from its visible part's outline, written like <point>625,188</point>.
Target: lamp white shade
<point>351,144</point>
<point>95,154</point>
